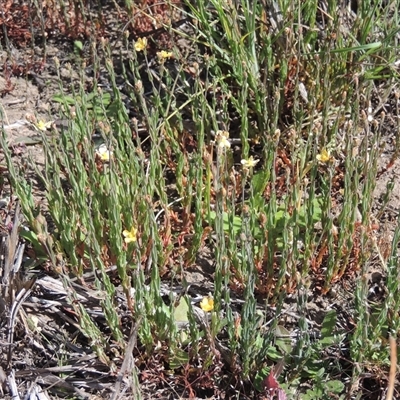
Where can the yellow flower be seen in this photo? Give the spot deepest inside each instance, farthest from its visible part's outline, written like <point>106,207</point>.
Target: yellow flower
<point>324,156</point>
<point>207,304</point>
<point>43,126</point>
<point>140,44</point>
<point>104,153</point>
<point>130,236</point>
<point>221,138</point>
<point>163,55</point>
<point>249,163</point>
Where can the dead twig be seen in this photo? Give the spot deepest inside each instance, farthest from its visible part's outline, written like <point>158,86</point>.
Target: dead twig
<point>20,298</point>
<point>128,363</point>
<point>13,386</point>
<point>393,368</point>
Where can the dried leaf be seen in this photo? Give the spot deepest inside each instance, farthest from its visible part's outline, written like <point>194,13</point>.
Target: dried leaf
<point>271,385</point>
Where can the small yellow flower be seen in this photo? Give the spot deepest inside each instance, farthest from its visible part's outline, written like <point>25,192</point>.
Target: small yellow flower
<point>104,153</point>
<point>324,156</point>
<point>163,55</point>
<point>43,126</point>
<point>207,304</point>
<point>130,236</point>
<point>221,138</point>
<point>140,44</point>
<point>249,163</point>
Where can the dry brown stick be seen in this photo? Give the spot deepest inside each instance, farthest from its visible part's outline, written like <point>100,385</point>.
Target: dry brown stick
<point>10,252</point>
<point>393,368</point>
<point>13,386</point>
<point>129,361</point>
<point>20,298</point>
<point>13,102</point>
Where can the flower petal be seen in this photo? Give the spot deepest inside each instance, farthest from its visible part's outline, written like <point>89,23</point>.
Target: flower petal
<point>140,44</point>
<point>130,236</point>
<point>207,304</point>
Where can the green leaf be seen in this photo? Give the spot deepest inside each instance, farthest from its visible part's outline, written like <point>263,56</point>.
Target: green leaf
<point>181,311</point>
<point>313,370</point>
<point>178,358</point>
<point>283,339</point>
<point>32,238</point>
<point>328,328</point>
<point>367,49</point>
<point>259,181</point>
<point>113,109</point>
<point>316,215</point>
<point>273,353</point>
<point>313,394</point>
<point>61,98</point>
<point>78,44</point>
<point>237,222</point>
<point>334,386</point>
<point>164,310</point>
